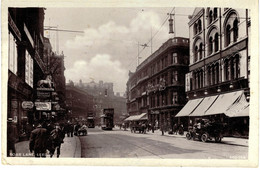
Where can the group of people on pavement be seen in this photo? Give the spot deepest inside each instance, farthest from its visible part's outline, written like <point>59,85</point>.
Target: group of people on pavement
<point>46,136</point>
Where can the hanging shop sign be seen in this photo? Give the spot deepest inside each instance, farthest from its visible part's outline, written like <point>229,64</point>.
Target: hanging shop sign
<point>43,105</point>
<point>27,104</point>
<point>43,94</point>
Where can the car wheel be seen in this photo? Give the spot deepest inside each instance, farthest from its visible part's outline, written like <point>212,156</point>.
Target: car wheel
<point>204,137</point>
<point>188,136</point>
<point>217,139</point>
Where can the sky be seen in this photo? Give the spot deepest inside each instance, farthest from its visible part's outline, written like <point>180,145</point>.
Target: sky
<point>108,47</point>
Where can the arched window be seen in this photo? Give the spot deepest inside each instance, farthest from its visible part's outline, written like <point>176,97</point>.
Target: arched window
<point>228,34</point>
<point>213,75</point>
<point>199,25</point>
<point>210,16</point>
<point>235,29</point>
<point>237,66</point>
<point>209,76</point>
<point>201,78</point>
<point>196,53</point>
<point>210,45</point>
<point>200,51</point>
<point>215,15</point>
<point>217,73</point>
<point>195,29</point>
<point>226,70</point>
<point>216,42</point>
<point>232,69</point>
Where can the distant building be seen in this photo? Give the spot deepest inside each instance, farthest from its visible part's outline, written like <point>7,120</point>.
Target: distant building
<point>218,82</point>
<point>157,86</point>
<point>79,102</point>
<point>104,97</point>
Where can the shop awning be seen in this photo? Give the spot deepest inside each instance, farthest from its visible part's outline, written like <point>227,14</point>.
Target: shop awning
<point>142,116</point>
<point>204,105</point>
<point>223,103</point>
<point>239,109</point>
<point>189,107</point>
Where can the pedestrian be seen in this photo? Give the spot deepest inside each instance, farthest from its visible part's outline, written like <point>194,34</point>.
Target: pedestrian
<point>175,128</point>
<point>56,137</point>
<point>162,128</point>
<point>71,129</point>
<point>11,137</point>
<point>38,141</point>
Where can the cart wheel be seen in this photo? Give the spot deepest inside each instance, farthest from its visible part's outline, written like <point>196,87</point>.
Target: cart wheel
<point>204,137</point>
<point>188,136</point>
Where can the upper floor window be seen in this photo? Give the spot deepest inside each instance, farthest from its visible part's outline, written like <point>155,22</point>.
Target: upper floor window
<point>231,27</point>
<point>195,31</point>
<point>215,15</point>
<point>210,45</point>
<point>216,42</point>
<point>174,58</point>
<point>174,76</point>
<point>196,53</point>
<point>210,16</point>
<point>228,34</point>
<point>12,54</point>
<point>200,51</point>
<point>235,30</point>
<point>199,26</point>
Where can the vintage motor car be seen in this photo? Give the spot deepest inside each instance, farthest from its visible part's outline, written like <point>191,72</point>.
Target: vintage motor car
<point>210,131</point>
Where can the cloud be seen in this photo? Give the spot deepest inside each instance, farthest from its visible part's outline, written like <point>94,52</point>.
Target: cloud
<point>110,50</point>
<point>100,67</point>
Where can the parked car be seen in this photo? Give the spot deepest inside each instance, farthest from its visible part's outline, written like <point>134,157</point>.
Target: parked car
<point>210,131</point>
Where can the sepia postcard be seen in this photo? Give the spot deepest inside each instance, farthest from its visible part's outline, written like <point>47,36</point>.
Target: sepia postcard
<point>130,83</point>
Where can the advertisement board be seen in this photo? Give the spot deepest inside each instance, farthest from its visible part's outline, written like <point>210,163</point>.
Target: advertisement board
<point>43,105</point>
<point>27,104</point>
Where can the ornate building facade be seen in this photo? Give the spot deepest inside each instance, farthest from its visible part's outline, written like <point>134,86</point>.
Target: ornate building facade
<point>219,69</point>
<point>157,86</point>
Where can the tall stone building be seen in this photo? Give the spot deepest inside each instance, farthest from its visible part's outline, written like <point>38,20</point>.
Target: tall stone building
<point>156,88</point>
<point>25,63</point>
<point>217,84</point>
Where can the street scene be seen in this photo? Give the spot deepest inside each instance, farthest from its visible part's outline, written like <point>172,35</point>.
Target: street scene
<point>163,83</point>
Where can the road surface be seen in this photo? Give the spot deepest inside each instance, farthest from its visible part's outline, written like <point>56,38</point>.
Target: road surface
<point>124,144</point>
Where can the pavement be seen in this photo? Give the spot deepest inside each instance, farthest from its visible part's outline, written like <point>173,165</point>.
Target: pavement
<point>70,148</point>
<point>226,140</point>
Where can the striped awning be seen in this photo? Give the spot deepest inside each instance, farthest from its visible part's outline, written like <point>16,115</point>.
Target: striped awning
<point>142,116</point>
<point>224,102</point>
<point>239,109</point>
<point>189,107</point>
<point>204,105</point>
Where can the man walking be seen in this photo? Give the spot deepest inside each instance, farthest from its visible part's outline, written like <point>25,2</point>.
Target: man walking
<point>38,141</point>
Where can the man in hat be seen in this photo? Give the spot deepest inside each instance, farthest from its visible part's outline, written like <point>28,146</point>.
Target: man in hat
<point>38,141</point>
<point>11,137</point>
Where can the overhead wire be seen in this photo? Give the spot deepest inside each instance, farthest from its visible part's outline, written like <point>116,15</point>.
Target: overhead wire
<point>152,37</point>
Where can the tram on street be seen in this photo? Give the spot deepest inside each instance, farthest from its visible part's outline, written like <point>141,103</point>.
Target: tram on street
<point>107,119</point>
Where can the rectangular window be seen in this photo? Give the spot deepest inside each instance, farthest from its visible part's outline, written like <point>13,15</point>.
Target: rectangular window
<point>174,76</point>
<point>174,58</point>
<point>12,54</point>
<point>28,69</point>
<point>175,97</point>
